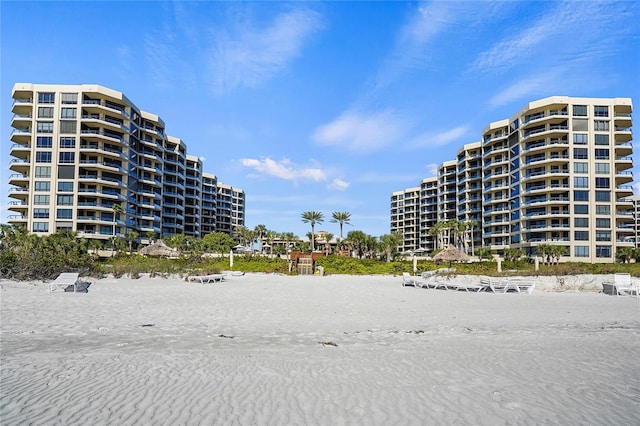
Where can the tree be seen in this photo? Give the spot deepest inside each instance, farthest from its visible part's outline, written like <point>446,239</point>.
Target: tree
<point>625,254</point>
<point>357,240</point>
<point>131,237</point>
<point>242,233</point>
<point>259,232</point>
<point>117,210</point>
<point>218,242</point>
<point>390,243</point>
<point>270,237</point>
<point>544,250</point>
<point>150,236</point>
<point>557,252</point>
<point>513,254</point>
<point>312,217</point>
<point>327,240</point>
<point>484,253</point>
<point>288,238</point>
<point>341,218</point>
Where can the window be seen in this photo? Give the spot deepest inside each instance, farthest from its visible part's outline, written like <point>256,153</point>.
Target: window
<point>67,157</point>
<point>603,235</point>
<point>602,154</point>
<point>581,182</point>
<point>602,169</point>
<point>64,214</point>
<point>65,186</point>
<point>603,209</point>
<point>580,138</point>
<point>45,112</point>
<point>580,125</point>
<point>44,142</point>
<point>41,199</point>
<point>579,110</point>
<point>602,139</point>
<point>581,209</point>
<point>65,200</point>
<point>581,235</point>
<point>42,186</point>
<point>580,195</point>
<point>601,126</point>
<point>601,183</point>
<point>41,213</point>
<point>603,195</point>
<point>603,223</point>
<point>66,172</point>
<point>68,126</point>
<point>44,127</point>
<point>40,227</point>
<point>67,142</point>
<point>603,251</point>
<point>46,98</point>
<point>581,251</point>
<point>580,167</point>
<point>43,171</point>
<point>43,157</point>
<point>580,153</point>
<point>581,222</point>
<point>68,113</point>
<point>69,98</point>
<point>601,111</point>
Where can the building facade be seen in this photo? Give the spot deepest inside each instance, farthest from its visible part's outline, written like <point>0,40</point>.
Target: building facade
<point>558,172</point>
<point>86,159</point>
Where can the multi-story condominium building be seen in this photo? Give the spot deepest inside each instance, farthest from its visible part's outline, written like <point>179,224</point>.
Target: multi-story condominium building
<point>636,220</point>
<point>557,172</point>
<point>229,208</point>
<point>86,159</point>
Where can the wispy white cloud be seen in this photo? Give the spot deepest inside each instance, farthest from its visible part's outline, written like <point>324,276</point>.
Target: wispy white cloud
<point>246,55</point>
<point>338,184</point>
<point>531,86</point>
<point>362,133</point>
<point>432,169</point>
<point>283,169</point>
<point>434,139</point>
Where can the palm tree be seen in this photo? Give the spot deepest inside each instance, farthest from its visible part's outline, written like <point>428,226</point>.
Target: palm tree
<point>260,231</point>
<point>341,218</point>
<point>287,237</point>
<point>271,237</point>
<point>312,217</point>
<point>390,243</point>
<point>131,237</point>
<point>327,242</point>
<point>150,236</point>
<point>117,210</point>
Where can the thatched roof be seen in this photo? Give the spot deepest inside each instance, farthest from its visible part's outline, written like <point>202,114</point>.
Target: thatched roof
<point>160,249</point>
<point>452,254</point>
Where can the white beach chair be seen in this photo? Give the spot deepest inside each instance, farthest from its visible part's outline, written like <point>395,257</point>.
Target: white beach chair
<point>64,280</point>
<point>621,285</point>
<point>206,279</point>
<point>408,280</point>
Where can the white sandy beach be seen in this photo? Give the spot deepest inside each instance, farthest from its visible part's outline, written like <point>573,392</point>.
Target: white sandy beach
<point>249,351</point>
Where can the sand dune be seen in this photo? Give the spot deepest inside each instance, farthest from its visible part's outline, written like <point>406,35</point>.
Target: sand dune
<point>278,350</point>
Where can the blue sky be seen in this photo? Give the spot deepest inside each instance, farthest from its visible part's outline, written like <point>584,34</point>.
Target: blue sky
<point>326,106</point>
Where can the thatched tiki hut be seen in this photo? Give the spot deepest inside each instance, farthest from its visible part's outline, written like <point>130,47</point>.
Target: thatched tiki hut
<point>159,249</point>
<point>451,254</point>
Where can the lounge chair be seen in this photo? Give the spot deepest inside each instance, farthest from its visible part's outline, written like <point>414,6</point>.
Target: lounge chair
<point>621,285</point>
<point>206,279</point>
<point>408,280</point>
<point>65,280</point>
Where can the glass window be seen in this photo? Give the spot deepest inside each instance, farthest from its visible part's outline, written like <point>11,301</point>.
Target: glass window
<point>580,124</point>
<point>67,142</point>
<point>69,98</point>
<point>44,127</point>
<point>45,112</point>
<point>601,111</point>
<point>42,186</point>
<point>65,200</point>
<point>68,126</point>
<point>601,126</point>
<point>603,251</point>
<point>602,183</point>
<point>40,226</point>
<point>603,195</point>
<point>602,139</point>
<point>602,169</point>
<point>580,138</point>
<point>603,222</point>
<point>64,213</point>
<point>579,110</point>
<point>41,213</point>
<point>602,154</point>
<point>43,157</point>
<point>581,182</point>
<point>603,235</point>
<point>40,199</point>
<point>580,153</point>
<point>68,113</point>
<point>46,98</point>
<point>581,222</point>
<point>43,171</point>
<point>67,157</point>
<point>603,209</point>
<point>65,186</point>
<point>581,208</point>
<point>580,195</point>
<point>44,142</point>
<point>579,167</point>
<point>581,251</point>
<point>581,235</point>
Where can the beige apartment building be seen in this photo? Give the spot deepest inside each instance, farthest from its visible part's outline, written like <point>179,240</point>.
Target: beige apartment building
<point>557,172</point>
<point>85,158</point>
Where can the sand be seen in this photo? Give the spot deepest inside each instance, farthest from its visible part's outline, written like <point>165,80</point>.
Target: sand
<point>334,350</point>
